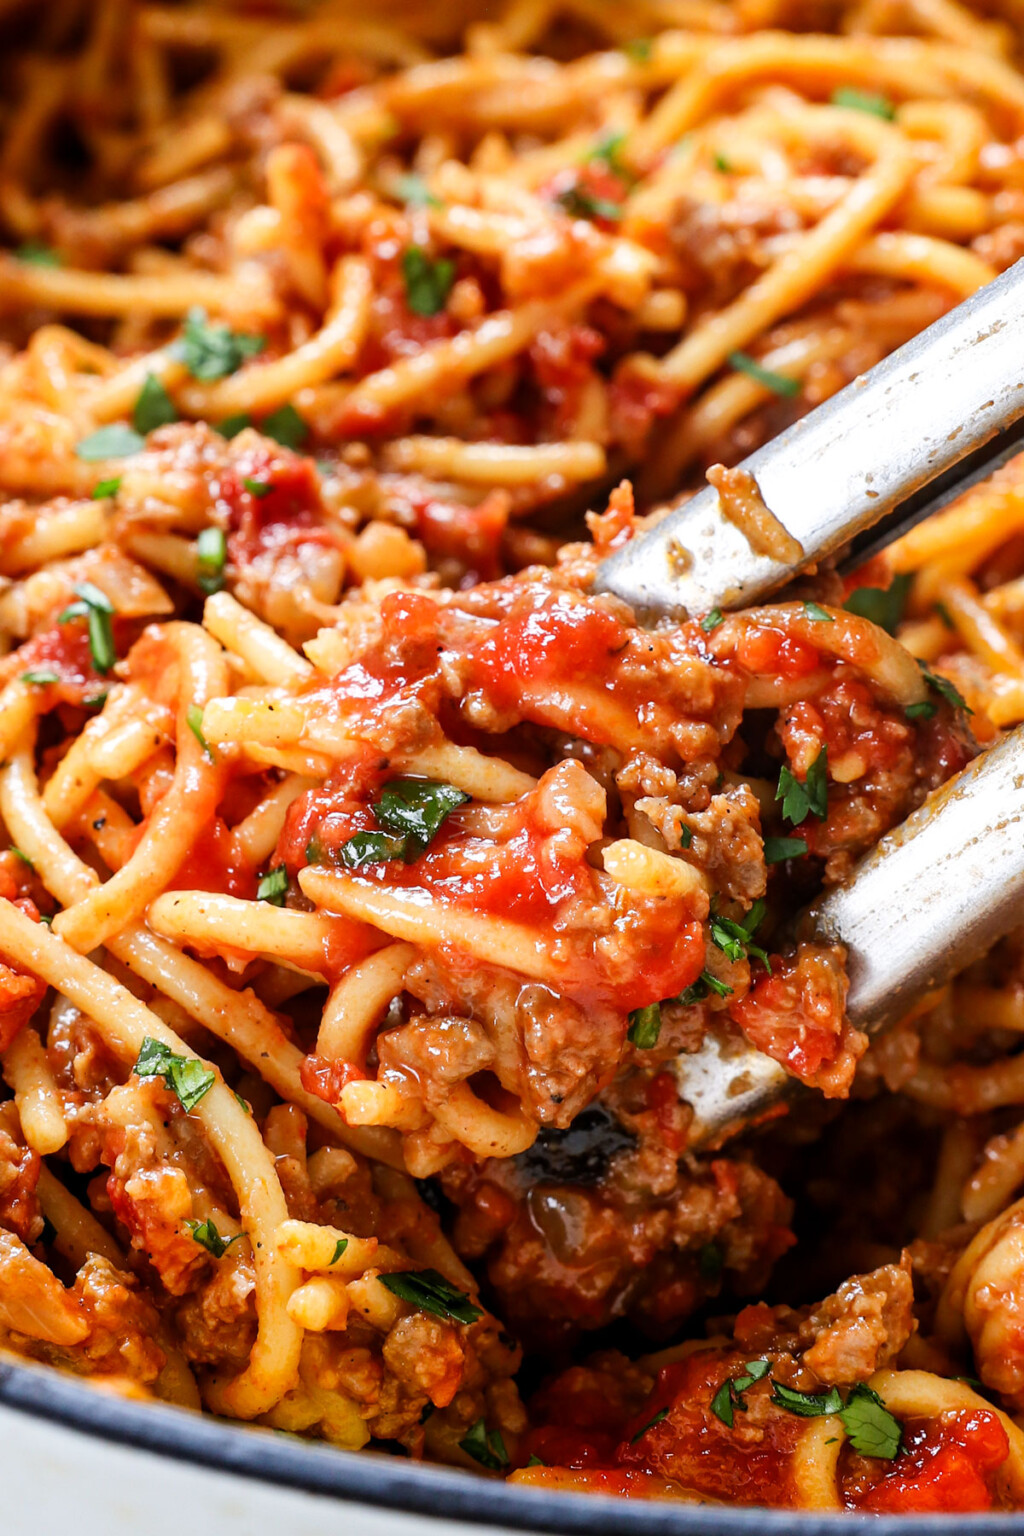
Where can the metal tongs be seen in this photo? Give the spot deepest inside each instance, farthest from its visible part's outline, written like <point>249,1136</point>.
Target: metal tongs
<point>895,445</point>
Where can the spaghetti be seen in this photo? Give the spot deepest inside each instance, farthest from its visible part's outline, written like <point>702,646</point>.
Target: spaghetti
<point>365,873</point>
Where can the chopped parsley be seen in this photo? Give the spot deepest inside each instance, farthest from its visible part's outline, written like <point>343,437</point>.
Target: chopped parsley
<point>640,49</point>
<point>285,426</point>
<point>685,837</point>
<point>581,204</point>
<point>882,605</point>
<point>96,608</point>
<point>427,282</point>
<point>778,849</point>
<point>645,1026</point>
<point>414,192</point>
<point>431,1292</point>
<point>659,1418</point>
<point>704,984</point>
<point>232,425</point>
<point>38,254</point>
<point>809,1405</point>
<point>22,856</point>
<point>863,101</point>
<point>154,407</point>
<point>114,442</point>
<point>735,940</point>
<point>186,1076</point>
<point>872,1429</point>
<point>194,721</point>
<point>711,621</point>
<point>273,886</point>
<point>206,1235</point>
<point>41,678</point>
<point>104,488</point>
<point>778,383</point>
<point>213,351</point>
<point>944,688</point>
<point>817,614</point>
<point>411,812</point>
<point>925,710</point>
<point>810,798</point>
<point>211,558</point>
<point>339,1249</point>
<point>535,1461</point>
<point>607,149</point>
<point>729,1396</point>
<point>258,488</point>
<point>485,1446</point>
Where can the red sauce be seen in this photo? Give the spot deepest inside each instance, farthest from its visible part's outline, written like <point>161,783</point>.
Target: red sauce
<point>287,515</point>
<point>326,1078</point>
<point>694,1448</point>
<point>945,1467</point>
<point>763,650</point>
<point>471,535</point>
<point>211,865</point>
<point>65,651</point>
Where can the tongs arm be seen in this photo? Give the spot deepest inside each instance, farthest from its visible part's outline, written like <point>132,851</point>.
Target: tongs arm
<point>929,899</point>
<point>840,469</point>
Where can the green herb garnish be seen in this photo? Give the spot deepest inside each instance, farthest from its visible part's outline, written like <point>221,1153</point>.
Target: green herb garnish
<point>104,488</point>
<point>40,679</point>
<point>926,710</point>
<point>581,204</point>
<point>96,608</point>
<point>777,849</point>
<point>38,254</point>
<point>414,192</point>
<point>711,621</point>
<point>485,1446</point>
<point>817,614</point>
<point>273,887</point>
<point>154,407</point>
<point>810,798</point>
<point>863,101</point>
<point>944,688</point>
<point>194,721</point>
<point>645,1026</point>
<point>872,1429</point>
<point>778,383</point>
<point>735,939</point>
<point>114,442</point>
<point>729,1396</point>
<point>213,351</point>
<point>232,425</point>
<point>704,984</point>
<point>431,1292</point>
<point>285,426</point>
<point>211,558</point>
<point>186,1076</point>
<point>882,605</point>
<point>427,282</point>
<point>339,1249</point>
<point>809,1405</point>
<point>206,1235</point>
<point>659,1418</point>
<point>258,488</point>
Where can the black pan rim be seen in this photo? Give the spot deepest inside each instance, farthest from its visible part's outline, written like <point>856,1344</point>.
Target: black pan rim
<point>413,1488</point>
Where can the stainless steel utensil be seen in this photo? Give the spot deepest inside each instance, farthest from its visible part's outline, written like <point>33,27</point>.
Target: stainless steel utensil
<point>841,468</point>
<point>942,888</point>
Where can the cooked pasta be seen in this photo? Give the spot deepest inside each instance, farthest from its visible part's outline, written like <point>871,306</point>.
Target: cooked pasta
<point>364,873</point>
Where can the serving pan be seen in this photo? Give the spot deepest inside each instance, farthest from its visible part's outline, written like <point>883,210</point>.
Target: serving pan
<point>74,1453</point>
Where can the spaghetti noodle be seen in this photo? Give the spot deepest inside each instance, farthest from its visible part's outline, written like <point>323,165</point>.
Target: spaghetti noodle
<point>365,873</point>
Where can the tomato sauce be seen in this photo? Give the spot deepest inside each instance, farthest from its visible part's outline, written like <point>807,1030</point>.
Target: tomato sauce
<point>285,515</point>
<point>946,1466</point>
<point>64,651</point>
